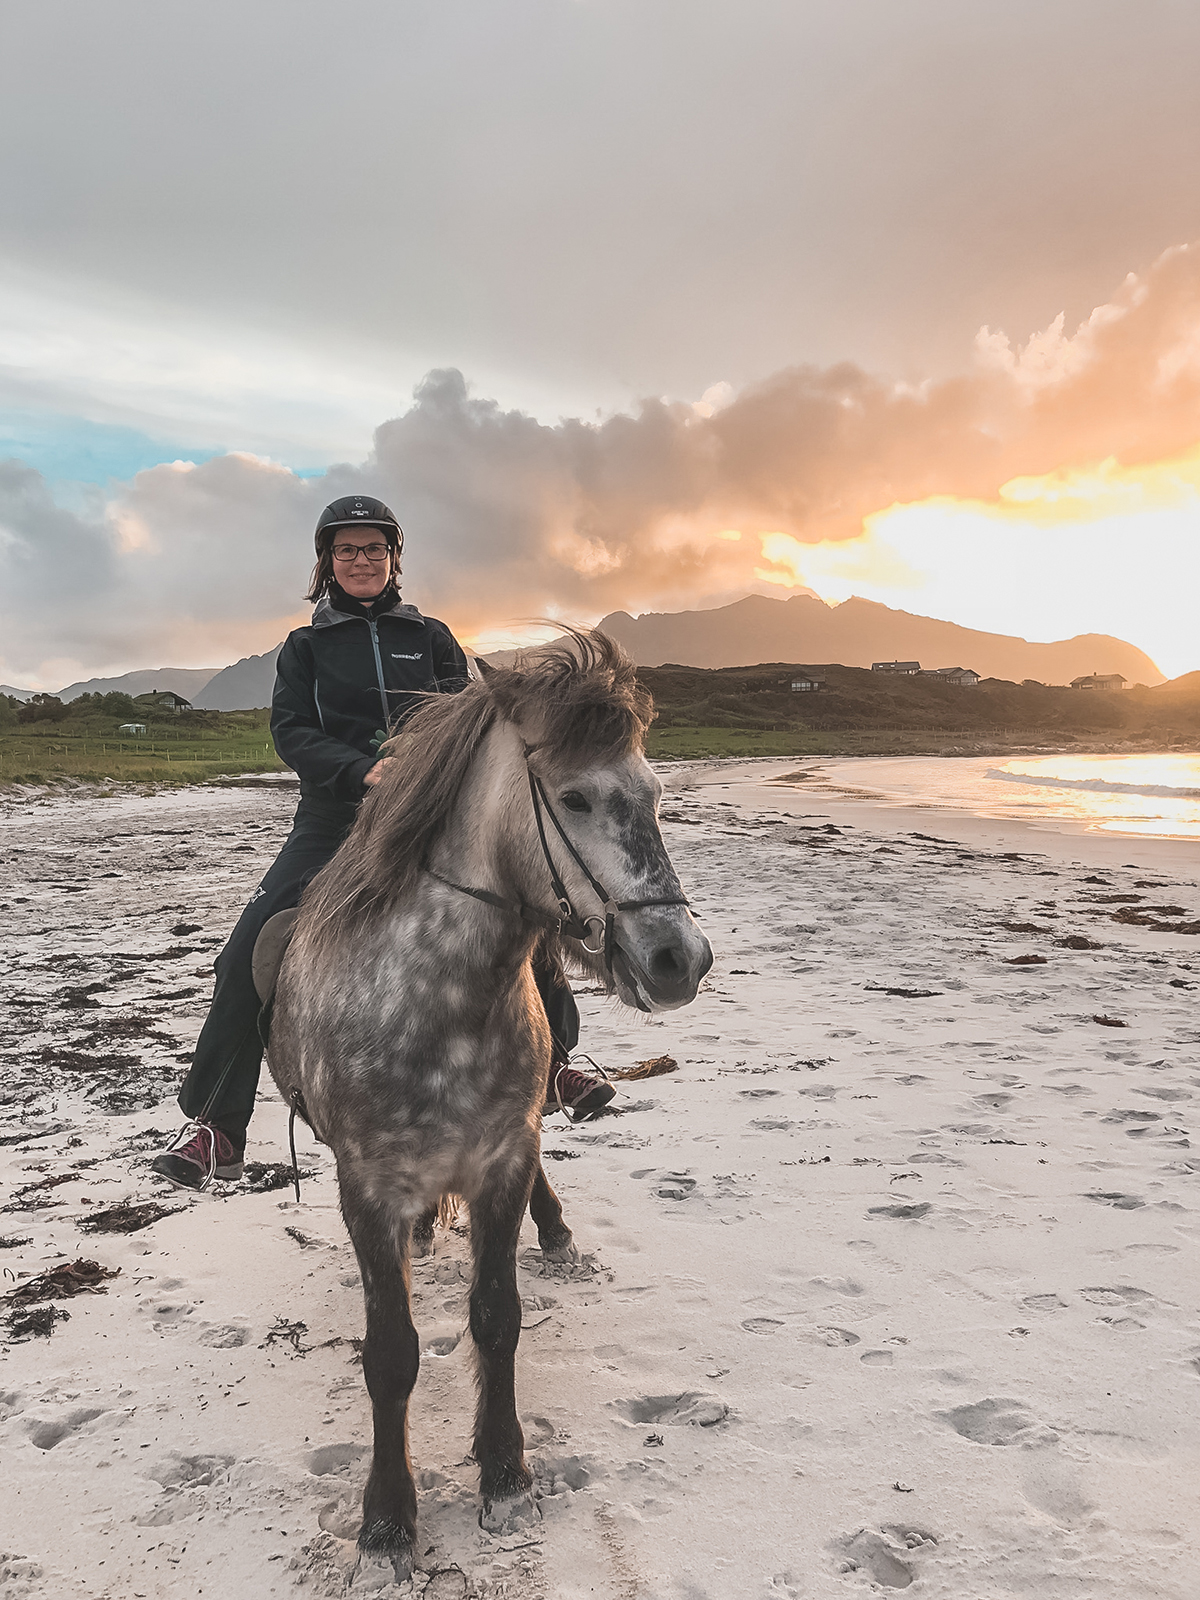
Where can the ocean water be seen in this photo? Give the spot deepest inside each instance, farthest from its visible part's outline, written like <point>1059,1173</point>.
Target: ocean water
<point>1143,795</point>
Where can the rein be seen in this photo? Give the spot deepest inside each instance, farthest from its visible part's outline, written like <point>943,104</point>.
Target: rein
<point>568,920</point>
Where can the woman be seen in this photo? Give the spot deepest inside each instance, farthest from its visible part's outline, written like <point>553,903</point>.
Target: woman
<point>343,685</point>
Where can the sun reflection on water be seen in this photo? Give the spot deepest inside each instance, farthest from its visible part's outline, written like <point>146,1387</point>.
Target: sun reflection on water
<point>1152,795</point>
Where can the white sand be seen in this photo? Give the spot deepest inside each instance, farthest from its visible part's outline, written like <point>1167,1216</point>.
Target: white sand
<point>924,1267</point>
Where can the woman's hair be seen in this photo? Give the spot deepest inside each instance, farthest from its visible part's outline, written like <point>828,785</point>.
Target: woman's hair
<point>322,573</point>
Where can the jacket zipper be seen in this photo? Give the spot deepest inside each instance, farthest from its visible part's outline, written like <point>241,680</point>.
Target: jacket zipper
<point>379,673</point>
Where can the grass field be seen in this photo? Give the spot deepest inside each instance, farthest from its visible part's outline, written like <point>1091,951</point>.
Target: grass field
<point>48,752</point>
<point>240,741</point>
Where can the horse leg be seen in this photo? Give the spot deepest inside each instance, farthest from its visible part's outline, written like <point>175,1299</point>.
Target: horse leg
<point>545,1208</point>
<point>496,1214</point>
<point>391,1355</point>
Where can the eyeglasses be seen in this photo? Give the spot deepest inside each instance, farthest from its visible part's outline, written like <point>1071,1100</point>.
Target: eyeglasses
<point>374,553</point>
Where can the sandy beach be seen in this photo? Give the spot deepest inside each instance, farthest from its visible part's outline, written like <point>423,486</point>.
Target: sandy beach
<point>892,1285</point>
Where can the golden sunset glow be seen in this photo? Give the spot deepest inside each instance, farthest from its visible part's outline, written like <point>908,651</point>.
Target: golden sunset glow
<point>1105,548</point>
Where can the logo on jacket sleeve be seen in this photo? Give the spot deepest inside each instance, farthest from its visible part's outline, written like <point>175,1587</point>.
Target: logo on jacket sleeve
<point>401,655</point>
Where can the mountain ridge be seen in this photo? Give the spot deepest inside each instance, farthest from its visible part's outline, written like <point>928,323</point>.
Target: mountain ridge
<point>749,632</point>
<point>858,632</point>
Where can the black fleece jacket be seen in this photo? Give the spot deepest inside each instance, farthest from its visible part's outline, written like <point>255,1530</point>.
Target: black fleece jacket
<point>351,678</point>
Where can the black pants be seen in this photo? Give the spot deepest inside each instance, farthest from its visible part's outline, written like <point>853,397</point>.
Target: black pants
<point>223,1078</point>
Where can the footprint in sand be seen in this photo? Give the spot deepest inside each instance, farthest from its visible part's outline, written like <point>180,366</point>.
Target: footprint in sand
<point>1115,1199</point>
<point>994,1102</point>
<point>182,1478</point>
<point>166,1315</point>
<point>1121,1294</point>
<point>537,1430</point>
<point>558,1475</point>
<point>998,1422</point>
<point>762,1325</point>
<point>342,1518</point>
<point>676,1186</point>
<point>332,1459</point>
<point>878,1553</point>
<point>843,1286</point>
<point>176,1471</point>
<point>227,1336</point>
<point>441,1344</point>
<point>1044,1302</point>
<point>45,1435</point>
<point>691,1409</point>
<point>1052,1485</point>
<point>921,1208</point>
<point>446,1583</point>
<point>832,1337</point>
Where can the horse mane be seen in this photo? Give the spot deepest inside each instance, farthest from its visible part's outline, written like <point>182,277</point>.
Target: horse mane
<point>577,699</point>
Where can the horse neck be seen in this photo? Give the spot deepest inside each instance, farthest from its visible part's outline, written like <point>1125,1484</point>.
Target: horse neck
<point>490,839</point>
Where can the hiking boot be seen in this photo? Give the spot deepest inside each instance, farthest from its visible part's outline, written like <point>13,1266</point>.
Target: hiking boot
<point>579,1094</point>
<point>200,1154</point>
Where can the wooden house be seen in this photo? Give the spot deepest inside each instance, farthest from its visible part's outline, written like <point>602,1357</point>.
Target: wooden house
<point>1099,680</point>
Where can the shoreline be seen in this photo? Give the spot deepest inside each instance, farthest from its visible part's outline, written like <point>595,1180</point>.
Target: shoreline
<point>762,783</point>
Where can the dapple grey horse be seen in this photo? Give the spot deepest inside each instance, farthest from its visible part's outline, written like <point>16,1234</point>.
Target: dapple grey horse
<point>407,1028</point>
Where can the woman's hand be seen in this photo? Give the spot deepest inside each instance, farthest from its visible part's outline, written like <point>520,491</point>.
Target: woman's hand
<point>373,774</point>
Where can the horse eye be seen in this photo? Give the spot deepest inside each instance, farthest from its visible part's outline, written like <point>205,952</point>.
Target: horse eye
<point>574,801</point>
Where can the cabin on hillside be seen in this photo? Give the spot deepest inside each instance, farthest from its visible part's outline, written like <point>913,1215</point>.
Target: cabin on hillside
<point>1099,680</point>
<point>808,682</point>
<point>162,700</point>
<point>134,729</point>
<point>897,669</point>
<point>963,677</point>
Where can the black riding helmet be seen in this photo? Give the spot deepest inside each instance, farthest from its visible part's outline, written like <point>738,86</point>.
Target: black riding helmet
<point>358,511</point>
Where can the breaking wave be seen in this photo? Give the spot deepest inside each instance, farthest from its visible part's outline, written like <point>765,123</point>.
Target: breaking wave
<point>1046,780</point>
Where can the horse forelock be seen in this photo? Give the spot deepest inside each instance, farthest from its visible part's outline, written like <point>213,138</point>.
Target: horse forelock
<point>577,700</point>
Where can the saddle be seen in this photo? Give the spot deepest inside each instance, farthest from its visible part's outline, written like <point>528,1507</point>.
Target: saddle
<point>269,950</point>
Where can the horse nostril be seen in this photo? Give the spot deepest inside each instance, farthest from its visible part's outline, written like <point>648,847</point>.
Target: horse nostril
<point>667,965</point>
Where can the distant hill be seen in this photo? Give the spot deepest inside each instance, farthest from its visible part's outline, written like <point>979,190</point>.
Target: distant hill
<point>245,685</point>
<point>185,681</point>
<point>854,698</point>
<point>1188,685</point>
<point>858,632</point>
<point>16,694</point>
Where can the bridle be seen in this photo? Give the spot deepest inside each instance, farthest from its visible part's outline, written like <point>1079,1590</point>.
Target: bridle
<point>568,921</point>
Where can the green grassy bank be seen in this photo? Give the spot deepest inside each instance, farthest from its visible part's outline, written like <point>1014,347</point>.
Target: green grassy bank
<point>192,748</point>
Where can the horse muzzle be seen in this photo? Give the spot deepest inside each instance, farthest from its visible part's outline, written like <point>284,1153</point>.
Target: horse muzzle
<point>658,961</point>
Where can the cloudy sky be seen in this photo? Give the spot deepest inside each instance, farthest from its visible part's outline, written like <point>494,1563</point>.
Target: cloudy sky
<point>639,305</point>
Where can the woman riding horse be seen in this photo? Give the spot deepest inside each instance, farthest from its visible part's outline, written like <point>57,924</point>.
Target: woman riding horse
<point>343,685</point>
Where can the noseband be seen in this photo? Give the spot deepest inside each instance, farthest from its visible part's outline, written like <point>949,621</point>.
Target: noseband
<point>568,921</point>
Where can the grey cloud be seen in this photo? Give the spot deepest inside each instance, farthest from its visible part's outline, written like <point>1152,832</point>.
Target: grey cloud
<point>619,198</point>
<point>510,518</point>
<point>46,549</point>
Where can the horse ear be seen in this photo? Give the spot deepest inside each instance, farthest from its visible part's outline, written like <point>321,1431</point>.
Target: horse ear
<point>482,667</point>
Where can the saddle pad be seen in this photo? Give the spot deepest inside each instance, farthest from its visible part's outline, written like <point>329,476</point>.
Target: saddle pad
<point>269,950</point>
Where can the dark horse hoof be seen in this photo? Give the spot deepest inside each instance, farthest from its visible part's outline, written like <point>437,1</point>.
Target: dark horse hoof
<point>558,1245</point>
<point>503,1516</point>
<point>385,1557</point>
<point>508,1502</point>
